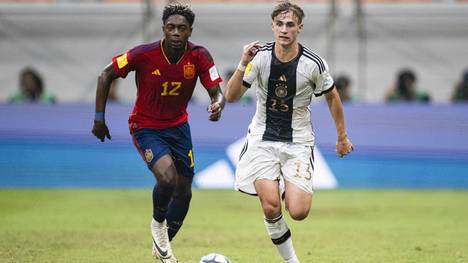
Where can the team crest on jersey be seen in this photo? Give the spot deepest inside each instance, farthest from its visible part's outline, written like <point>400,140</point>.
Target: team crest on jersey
<point>148,155</point>
<point>281,89</point>
<point>189,71</point>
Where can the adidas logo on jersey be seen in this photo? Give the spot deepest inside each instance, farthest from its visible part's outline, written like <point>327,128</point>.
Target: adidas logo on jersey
<point>156,72</point>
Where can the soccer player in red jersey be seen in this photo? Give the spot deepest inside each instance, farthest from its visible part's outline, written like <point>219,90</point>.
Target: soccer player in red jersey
<point>166,72</point>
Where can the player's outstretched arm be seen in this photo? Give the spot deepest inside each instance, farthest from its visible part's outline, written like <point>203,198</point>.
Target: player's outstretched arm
<point>217,103</point>
<point>234,87</point>
<point>343,144</point>
<point>100,129</point>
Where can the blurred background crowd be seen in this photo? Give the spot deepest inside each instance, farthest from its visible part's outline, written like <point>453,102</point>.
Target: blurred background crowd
<point>378,50</point>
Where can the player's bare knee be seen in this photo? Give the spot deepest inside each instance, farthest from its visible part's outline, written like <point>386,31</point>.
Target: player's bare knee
<point>167,180</point>
<point>299,214</point>
<point>271,213</point>
<point>165,173</point>
<point>167,177</point>
<point>271,209</point>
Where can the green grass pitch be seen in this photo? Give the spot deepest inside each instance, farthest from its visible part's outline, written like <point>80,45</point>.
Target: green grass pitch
<point>344,226</point>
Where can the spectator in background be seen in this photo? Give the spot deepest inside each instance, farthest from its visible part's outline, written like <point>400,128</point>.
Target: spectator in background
<point>405,89</point>
<point>461,89</point>
<point>31,89</point>
<point>343,86</point>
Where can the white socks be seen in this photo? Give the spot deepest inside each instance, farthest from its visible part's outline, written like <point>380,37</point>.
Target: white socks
<point>281,237</point>
<point>286,250</point>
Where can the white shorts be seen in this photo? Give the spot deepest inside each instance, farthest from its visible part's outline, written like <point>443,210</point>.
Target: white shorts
<point>271,160</point>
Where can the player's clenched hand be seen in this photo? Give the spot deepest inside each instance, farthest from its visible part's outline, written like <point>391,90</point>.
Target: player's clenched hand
<point>215,111</point>
<point>249,52</point>
<point>100,130</point>
<point>343,146</point>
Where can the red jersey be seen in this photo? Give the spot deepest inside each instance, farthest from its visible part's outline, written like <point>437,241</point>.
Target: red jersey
<point>164,89</point>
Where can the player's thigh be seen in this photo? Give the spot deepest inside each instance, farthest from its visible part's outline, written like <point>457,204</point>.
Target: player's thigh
<point>165,171</point>
<point>297,201</point>
<point>297,170</point>
<point>268,193</point>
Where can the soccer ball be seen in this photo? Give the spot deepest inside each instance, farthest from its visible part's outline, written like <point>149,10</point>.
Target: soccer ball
<point>214,258</point>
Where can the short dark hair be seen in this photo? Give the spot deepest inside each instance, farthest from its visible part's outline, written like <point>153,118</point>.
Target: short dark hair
<point>35,76</point>
<point>286,6</point>
<point>342,81</point>
<point>406,74</point>
<point>406,92</point>
<point>178,9</point>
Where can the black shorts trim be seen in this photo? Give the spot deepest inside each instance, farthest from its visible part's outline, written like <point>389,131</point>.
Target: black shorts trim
<point>246,193</point>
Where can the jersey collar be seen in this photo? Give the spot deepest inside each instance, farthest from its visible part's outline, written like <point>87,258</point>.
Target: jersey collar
<point>299,54</point>
<point>165,56</point>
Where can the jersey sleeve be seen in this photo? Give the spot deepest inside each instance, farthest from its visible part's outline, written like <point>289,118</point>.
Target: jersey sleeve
<point>126,62</point>
<point>207,71</point>
<point>322,79</point>
<point>251,72</point>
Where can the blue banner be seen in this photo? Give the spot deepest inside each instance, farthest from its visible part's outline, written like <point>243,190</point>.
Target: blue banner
<point>397,146</point>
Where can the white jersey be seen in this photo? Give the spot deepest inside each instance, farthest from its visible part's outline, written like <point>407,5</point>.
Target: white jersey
<point>284,92</point>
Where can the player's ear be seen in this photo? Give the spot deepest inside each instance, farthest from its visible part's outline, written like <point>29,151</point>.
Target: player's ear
<point>301,26</point>
<point>190,32</point>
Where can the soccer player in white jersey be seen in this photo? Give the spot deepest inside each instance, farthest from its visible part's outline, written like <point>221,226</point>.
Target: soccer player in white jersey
<point>280,141</point>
